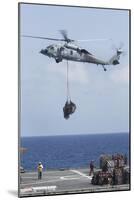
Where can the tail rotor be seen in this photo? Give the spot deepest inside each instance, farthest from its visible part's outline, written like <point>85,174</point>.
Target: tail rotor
<point>119,49</point>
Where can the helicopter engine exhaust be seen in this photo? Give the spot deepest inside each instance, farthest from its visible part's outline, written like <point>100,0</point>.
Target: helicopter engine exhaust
<point>76,48</point>
<point>72,47</point>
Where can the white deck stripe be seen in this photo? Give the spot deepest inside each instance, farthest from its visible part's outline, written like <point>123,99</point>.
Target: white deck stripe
<point>81,174</point>
<point>62,178</point>
<point>46,188</point>
<point>28,177</point>
<point>69,178</point>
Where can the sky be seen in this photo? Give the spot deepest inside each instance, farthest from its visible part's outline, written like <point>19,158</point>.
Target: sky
<point>102,98</point>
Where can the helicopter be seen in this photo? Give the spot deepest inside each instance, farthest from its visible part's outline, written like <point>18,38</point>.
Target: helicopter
<point>71,52</point>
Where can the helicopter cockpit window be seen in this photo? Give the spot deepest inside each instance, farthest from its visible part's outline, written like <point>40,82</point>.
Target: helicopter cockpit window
<point>51,48</point>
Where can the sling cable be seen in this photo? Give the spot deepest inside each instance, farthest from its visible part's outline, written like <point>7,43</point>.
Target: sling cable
<point>69,107</point>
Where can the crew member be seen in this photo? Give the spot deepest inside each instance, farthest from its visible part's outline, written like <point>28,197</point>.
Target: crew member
<point>91,168</point>
<point>40,169</point>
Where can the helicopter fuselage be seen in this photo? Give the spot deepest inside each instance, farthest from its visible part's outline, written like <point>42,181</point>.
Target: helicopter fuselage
<point>70,52</point>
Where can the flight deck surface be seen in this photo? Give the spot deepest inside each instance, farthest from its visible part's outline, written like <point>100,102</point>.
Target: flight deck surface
<point>64,181</point>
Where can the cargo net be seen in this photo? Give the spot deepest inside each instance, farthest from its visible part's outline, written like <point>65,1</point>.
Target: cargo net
<point>69,107</point>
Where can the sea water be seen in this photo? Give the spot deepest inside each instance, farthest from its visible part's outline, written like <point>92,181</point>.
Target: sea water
<point>71,151</point>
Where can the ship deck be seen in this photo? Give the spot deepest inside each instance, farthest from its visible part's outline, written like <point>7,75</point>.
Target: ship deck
<point>64,181</point>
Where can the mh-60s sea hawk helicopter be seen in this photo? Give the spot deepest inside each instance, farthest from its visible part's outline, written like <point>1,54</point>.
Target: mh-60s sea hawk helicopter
<point>72,52</point>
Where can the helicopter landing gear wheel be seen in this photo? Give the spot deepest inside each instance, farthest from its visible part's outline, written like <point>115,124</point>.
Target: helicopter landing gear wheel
<point>104,68</point>
<point>57,60</point>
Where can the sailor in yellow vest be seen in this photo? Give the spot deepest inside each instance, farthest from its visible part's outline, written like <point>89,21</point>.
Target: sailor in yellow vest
<point>40,169</point>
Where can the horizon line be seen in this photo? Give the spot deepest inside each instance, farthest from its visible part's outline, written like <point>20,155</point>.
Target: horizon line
<point>124,132</point>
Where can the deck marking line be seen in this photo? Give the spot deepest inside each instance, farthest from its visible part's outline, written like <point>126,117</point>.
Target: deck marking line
<point>81,174</point>
<point>46,188</point>
<point>26,190</point>
<point>28,177</point>
<point>40,182</point>
<point>68,178</point>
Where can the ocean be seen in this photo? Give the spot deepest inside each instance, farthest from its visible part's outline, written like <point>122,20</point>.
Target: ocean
<point>71,151</point>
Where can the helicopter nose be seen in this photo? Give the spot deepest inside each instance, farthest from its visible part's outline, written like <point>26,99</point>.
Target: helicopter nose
<point>44,51</point>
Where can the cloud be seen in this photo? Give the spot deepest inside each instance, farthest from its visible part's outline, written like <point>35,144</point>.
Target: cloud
<point>77,71</point>
<point>120,75</point>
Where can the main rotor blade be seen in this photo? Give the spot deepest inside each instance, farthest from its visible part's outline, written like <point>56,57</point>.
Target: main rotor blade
<point>64,34</point>
<point>121,45</point>
<point>42,38</point>
<point>92,40</point>
<point>116,47</point>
